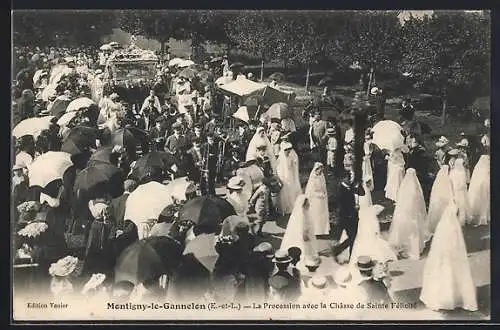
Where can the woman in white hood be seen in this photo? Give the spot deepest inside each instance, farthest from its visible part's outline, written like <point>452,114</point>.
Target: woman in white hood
<point>447,279</point>
<point>318,199</point>
<point>288,173</point>
<point>258,139</point>
<point>409,229</point>
<point>479,192</point>
<point>441,194</point>
<point>458,177</point>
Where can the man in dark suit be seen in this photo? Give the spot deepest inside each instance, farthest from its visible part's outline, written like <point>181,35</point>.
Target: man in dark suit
<point>175,141</point>
<point>197,159</point>
<point>118,204</point>
<point>209,153</point>
<point>347,201</point>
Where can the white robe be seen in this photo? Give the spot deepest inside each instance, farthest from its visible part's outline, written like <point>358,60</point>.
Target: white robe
<point>409,228</point>
<point>458,178</point>
<point>252,149</point>
<point>288,173</point>
<point>441,195</point>
<point>300,227</point>
<point>447,279</point>
<point>318,198</point>
<point>395,174</point>
<point>368,241</point>
<point>479,192</point>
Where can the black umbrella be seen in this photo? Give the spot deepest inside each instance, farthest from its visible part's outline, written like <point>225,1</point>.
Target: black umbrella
<point>79,139</point>
<point>325,81</point>
<point>102,155</point>
<point>206,211</point>
<point>99,178</point>
<point>128,136</point>
<point>152,162</point>
<point>59,107</point>
<point>187,73</point>
<point>148,259</point>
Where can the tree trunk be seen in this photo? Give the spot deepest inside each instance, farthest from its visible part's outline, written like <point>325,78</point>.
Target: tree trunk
<point>261,69</point>
<point>308,72</point>
<point>445,105</point>
<point>162,46</point>
<point>369,82</point>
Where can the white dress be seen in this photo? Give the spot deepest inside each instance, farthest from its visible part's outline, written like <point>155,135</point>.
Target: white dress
<point>368,241</point>
<point>409,228</point>
<point>318,199</point>
<point>479,192</point>
<point>257,140</point>
<point>395,174</point>
<point>441,195</point>
<point>458,178</point>
<point>300,227</point>
<point>288,173</point>
<point>447,279</point>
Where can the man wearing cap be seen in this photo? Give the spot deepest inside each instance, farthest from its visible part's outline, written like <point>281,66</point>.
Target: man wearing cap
<point>282,281</point>
<point>175,141</point>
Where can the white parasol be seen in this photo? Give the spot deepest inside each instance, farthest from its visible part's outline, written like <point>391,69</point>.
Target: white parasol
<point>106,47</point>
<point>178,188</point>
<point>80,103</point>
<point>66,118</point>
<point>32,126</point>
<point>242,114</point>
<point>387,135</point>
<point>147,202</point>
<point>48,167</point>
<point>185,63</point>
<point>175,61</point>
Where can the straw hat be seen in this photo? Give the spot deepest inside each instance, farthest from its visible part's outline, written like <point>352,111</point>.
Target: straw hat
<point>374,90</point>
<point>442,142</point>
<point>281,257</point>
<point>319,282</point>
<point>287,146</point>
<point>342,276</point>
<point>235,183</point>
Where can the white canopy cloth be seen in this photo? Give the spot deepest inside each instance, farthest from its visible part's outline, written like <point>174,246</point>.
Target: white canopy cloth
<point>242,87</point>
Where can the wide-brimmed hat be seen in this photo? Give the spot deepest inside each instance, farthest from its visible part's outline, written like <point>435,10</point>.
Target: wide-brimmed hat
<point>330,130</point>
<point>281,257</point>
<point>65,266</point>
<point>342,276</point>
<point>266,249</point>
<point>18,167</point>
<point>236,183</point>
<point>442,142</point>
<point>365,263</point>
<point>463,143</point>
<point>319,282</point>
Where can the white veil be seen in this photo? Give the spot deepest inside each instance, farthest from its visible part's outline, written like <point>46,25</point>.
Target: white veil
<point>299,226</point>
<point>288,172</point>
<point>316,183</point>
<point>441,194</point>
<point>256,141</point>
<point>409,228</point>
<point>447,280</point>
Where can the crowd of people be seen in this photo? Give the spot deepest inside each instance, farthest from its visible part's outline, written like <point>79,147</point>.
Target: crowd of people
<point>76,176</point>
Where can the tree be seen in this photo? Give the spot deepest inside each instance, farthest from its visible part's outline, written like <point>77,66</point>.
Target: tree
<point>251,31</point>
<point>448,53</point>
<point>370,38</point>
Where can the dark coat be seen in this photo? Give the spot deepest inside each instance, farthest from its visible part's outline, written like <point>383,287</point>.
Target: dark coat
<point>118,208</point>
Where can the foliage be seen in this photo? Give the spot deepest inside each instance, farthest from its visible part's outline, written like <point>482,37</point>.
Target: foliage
<point>448,53</point>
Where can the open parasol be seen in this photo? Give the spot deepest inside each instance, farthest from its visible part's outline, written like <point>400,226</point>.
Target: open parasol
<point>175,61</point>
<point>156,161</point>
<point>202,251</point>
<point>101,155</point>
<point>48,167</point>
<point>185,63</point>
<point>80,103</point>
<point>178,188</point>
<point>98,177</point>
<point>188,73</point>
<point>147,202</point>
<point>387,135</point>
<point>106,47</point>
<point>59,107</point>
<point>148,259</point>
<point>67,118</point>
<point>32,126</point>
<point>128,136</point>
<point>206,211</point>
<point>79,139</point>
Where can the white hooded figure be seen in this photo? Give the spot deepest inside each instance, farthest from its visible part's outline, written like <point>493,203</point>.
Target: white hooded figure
<point>288,173</point>
<point>258,139</point>
<point>299,231</point>
<point>479,192</point>
<point>395,174</point>
<point>441,194</point>
<point>409,228</point>
<point>447,280</point>
<point>236,196</point>
<point>368,241</point>
<point>318,199</point>
<point>458,178</point>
